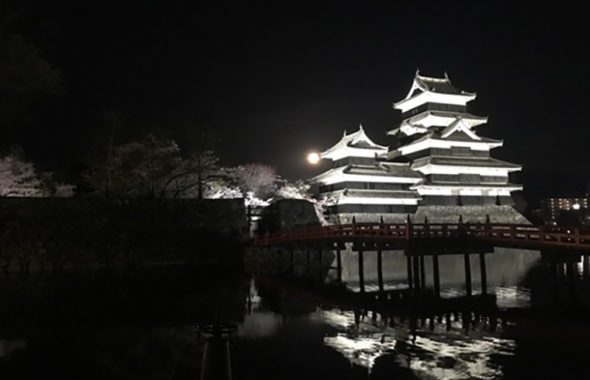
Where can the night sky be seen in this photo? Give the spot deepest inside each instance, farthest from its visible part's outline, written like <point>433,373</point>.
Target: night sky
<point>276,81</point>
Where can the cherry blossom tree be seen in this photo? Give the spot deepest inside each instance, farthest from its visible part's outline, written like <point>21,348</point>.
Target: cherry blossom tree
<point>259,179</point>
<point>138,168</point>
<point>18,178</point>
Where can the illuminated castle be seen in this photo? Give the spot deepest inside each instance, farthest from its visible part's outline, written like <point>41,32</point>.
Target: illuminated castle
<point>362,181</point>
<point>438,167</point>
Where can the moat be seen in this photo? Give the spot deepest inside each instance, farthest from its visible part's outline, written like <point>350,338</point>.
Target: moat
<point>148,322</point>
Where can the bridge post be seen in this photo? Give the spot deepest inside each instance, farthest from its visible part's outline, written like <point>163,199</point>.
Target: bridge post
<point>361,272</point>
<point>484,275</point>
<point>422,272</point>
<point>586,266</point>
<point>380,269</point>
<point>321,263</point>
<point>408,227</point>
<point>409,265</point>
<point>339,265</point>
<point>436,274</point>
<point>308,254</point>
<point>467,274</point>
<point>416,264</point>
<point>216,360</point>
<point>292,258</point>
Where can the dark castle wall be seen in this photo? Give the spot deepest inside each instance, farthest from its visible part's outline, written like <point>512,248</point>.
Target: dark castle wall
<point>356,208</point>
<point>447,200</point>
<point>61,231</point>
<point>287,214</point>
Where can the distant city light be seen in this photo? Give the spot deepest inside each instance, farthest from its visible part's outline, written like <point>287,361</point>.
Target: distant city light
<point>576,206</point>
<point>313,158</point>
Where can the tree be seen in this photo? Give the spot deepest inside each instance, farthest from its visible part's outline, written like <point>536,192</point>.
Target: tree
<point>138,168</point>
<point>101,157</point>
<point>201,164</point>
<point>258,178</point>
<point>26,80</point>
<point>193,175</point>
<point>18,178</point>
<point>293,190</point>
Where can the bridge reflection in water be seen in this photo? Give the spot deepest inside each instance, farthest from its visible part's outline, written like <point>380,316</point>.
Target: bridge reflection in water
<point>392,314</point>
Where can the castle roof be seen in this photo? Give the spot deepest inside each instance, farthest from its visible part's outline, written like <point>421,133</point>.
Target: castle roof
<point>438,85</point>
<point>356,144</point>
<point>380,172</point>
<point>487,162</point>
<point>433,90</point>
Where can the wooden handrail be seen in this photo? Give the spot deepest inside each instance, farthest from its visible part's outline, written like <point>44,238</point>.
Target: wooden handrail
<point>491,232</point>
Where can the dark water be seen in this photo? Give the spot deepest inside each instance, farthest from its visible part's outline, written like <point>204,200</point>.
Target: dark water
<point>144,323</point>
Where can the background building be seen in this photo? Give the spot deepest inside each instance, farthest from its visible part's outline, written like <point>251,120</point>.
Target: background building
<point>566,211</point>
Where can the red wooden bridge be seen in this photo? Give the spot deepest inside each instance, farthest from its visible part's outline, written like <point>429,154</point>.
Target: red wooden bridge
<point>513,235</point>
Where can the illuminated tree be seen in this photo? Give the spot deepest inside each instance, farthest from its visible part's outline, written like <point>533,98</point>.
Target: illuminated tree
<point>193,176</point>
<point>19,178</point>
<point>138,168</point>
<point>200,168</point>
<point>259,179</point>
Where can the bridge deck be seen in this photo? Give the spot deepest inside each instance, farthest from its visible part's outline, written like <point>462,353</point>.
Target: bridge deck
<point>513,235</point>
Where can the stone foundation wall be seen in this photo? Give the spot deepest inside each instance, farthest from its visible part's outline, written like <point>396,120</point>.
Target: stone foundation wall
<point>72,231</point>
<point>288,214</point>
<point>439,214</point>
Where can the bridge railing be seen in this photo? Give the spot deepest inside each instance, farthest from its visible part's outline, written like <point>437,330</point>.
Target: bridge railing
<point>491,232</point>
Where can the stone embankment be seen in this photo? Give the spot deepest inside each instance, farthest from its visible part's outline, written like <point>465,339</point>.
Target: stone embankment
<point>58,232</point>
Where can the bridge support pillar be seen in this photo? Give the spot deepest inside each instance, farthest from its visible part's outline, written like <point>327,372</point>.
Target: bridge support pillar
<point>484,275</point>
<point>361,272</point>
<point>380,269</point>
<point>409,266</point>
<point>320,264</point>
<point>339,265</point>
<point>467,274</point>
<point>586,266</point>
<point>436,275</point>
<point>292,261</point>
<point>416,265</point>
<point>308,258</point>
<point>422,272</point>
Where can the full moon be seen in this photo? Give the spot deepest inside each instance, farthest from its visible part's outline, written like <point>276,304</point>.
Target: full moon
<point>313,158</point>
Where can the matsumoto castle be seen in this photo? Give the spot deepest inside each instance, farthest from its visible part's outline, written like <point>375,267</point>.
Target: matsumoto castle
<point>437,168</point>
